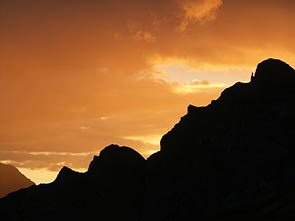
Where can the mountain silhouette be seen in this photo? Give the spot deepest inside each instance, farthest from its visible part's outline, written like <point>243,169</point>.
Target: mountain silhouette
<point>234,158</point>
<point>111,189</point>
<point>11,180</point>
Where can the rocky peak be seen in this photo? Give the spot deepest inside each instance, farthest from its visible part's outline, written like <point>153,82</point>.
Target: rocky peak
<point>66,174</point>
<point>114,156</point>
<point>274,72</point>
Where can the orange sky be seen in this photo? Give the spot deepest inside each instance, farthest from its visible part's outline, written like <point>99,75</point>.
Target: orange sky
<point>77,75</point>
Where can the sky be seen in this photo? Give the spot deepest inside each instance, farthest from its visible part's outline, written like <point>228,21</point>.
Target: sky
<point>76,76</point>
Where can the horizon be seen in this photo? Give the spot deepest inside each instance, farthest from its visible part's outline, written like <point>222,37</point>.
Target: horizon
<point>76,77</point>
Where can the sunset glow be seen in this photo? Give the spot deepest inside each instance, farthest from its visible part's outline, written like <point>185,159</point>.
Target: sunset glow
<point>76,76</point>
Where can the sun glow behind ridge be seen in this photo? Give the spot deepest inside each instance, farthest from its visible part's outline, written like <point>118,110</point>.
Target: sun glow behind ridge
<point>77,77</point>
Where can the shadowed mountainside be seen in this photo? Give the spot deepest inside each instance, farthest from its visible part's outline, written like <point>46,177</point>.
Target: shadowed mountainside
<point>11,180</point>
<point>111,189</point>
<point>234,158</point>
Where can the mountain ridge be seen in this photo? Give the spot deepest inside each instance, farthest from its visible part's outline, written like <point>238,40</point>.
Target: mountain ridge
<point>233,154</point>
<point>234,158</point>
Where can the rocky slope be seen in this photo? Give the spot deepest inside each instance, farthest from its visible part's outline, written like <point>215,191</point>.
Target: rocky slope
<point>11,180</point>
<point>234,158</point>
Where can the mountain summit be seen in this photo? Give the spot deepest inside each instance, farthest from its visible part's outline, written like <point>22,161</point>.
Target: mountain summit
<point>234,158</point>
<point>11,180</point>
<point>274,72</point>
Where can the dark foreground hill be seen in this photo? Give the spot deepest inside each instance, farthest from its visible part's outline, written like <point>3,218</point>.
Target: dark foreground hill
<point>111,189</point>
<point>234,158</point>
<point>11,180</point>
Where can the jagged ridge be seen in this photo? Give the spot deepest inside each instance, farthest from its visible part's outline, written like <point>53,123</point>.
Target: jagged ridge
<point>234,158</point>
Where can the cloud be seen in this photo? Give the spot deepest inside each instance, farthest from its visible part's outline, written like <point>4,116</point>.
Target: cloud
<point>150,139</point>
<point>144,36</point>
<point>198,82</point>
<point>199,11</point>
<point>52,161</point>
<point>194,88</point>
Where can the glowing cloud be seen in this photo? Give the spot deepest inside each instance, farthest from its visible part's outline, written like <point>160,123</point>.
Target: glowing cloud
<point>199,11</point>
<point>203,86</point>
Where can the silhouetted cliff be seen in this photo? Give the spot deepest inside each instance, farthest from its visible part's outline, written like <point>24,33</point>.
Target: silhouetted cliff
<point>11,180</point>
<point>234,158</point>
